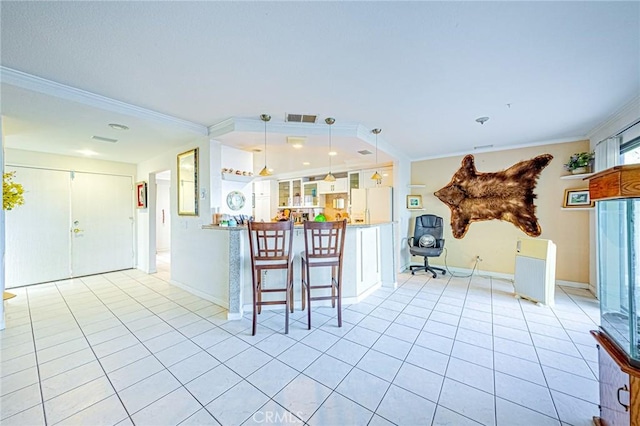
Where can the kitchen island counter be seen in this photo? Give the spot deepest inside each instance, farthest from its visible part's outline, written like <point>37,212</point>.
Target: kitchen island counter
<point>367,264</point>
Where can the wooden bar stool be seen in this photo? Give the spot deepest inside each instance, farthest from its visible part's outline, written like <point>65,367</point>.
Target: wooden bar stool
<point>323,247</point>
<point>270,244</point>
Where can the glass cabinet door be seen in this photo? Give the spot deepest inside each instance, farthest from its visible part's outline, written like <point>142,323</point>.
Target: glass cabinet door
<point>296,192</point>
<point>618,239</point>
<point>310,194</point>
<point>284,193</point>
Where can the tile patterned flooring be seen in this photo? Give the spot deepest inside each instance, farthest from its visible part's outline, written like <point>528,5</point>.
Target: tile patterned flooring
<point>128,348</point>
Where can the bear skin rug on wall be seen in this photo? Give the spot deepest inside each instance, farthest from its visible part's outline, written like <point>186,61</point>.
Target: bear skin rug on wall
<point>507,195</point>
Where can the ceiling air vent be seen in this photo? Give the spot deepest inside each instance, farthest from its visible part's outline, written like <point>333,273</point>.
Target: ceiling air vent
<point>365,152</point>
<point>300,118</point>
<point>103,139</point>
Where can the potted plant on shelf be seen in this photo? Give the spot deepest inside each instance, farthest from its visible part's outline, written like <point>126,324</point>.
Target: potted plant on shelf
<point>580,162</point>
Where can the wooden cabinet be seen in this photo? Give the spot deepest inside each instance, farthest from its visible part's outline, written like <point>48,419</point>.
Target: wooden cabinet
<point>619,385</point>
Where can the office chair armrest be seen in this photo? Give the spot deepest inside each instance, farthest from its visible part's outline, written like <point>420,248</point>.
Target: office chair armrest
<point>440,243</point>
<point>410,241</point>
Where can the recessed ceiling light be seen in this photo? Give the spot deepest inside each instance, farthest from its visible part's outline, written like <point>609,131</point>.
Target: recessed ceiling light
<point>86,152</point>
<point>333,153</point>
<point>117,126</point>
<point>306,163</point>
<point>296,141</point>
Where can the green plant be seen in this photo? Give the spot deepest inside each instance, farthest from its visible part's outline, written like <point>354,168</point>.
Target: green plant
<point>11,192</point>
<point>580,159</point>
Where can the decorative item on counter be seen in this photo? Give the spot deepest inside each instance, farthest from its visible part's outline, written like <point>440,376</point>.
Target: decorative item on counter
<point>320,218</point>
<point>580,162</point>
<point>232,222</point>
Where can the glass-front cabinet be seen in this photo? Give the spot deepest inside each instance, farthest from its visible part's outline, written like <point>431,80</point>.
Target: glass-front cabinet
<point>616,192</point>
<point>618,239</point>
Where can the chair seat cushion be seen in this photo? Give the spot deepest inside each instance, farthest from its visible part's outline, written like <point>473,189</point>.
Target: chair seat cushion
<point>426,251</point>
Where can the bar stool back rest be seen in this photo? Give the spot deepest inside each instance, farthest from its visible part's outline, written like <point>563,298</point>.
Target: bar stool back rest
<point>324,246</point>
<point>270,244</point>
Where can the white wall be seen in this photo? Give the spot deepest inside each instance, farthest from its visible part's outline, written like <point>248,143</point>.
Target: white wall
<point>237,160</point>
<point>188,247</point>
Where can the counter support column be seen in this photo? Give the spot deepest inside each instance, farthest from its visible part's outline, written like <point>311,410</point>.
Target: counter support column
<point>235,276</point>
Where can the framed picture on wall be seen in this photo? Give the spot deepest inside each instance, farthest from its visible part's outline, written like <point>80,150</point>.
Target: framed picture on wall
<point>577,198</point>
<point>141,191</point>
<point>414,202</point>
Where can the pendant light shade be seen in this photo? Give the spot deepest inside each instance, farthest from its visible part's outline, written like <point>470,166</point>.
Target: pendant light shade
<point>265,171</point>
<point>376,176</point>
<point>329,177</point>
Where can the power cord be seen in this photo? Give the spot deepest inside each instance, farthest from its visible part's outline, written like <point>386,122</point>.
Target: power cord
<point>459,276</point>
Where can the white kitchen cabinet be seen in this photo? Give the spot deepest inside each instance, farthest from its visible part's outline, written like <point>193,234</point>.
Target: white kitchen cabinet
<point>262,188</point>
<point>290,193</point>
<point>338,186</point>
<point>367,182</point>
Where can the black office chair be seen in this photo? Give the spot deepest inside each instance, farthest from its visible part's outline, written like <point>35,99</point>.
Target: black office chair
<point>427,241</point>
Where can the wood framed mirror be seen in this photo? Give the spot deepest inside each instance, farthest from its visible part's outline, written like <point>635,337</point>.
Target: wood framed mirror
<point>188,183</point>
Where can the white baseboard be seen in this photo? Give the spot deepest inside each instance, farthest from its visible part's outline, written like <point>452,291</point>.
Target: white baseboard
<point>572,284</point>
<point>345,300</point>
<point>210,298</point>
<point>509,277</point>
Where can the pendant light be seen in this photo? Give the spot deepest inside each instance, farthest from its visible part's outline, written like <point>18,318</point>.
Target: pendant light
<point>265,171</point>
<point>376,176</point>
<point>330,177</point>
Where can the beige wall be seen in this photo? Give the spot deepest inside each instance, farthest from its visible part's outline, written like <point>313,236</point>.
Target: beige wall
<point>494,241</point>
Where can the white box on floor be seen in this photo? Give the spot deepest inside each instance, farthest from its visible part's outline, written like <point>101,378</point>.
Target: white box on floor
<point>535,270</point>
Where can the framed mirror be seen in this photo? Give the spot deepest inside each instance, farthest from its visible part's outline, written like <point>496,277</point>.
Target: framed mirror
<point>188,183</point>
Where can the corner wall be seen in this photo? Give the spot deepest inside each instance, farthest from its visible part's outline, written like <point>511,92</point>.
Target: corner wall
<point>494,241</point>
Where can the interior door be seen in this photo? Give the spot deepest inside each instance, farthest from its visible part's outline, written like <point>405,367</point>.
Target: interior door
<point>101,223</point>
<point>37,232</point>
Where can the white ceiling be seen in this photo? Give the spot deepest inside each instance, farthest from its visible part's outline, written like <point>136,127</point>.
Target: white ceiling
<point>422,71</point>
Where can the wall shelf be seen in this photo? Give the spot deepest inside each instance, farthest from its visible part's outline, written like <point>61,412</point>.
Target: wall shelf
<point>236,178</point>
<point>580,176</point>
<point>576,208</point>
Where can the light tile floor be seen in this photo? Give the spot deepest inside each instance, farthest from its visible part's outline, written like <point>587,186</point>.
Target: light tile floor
<point>126,347</point>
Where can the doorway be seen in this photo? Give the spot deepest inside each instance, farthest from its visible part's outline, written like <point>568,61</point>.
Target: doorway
<point>72,224</point>
<point>163,224</point>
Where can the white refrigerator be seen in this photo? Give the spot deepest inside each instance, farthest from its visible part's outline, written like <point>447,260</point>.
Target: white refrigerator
<point>372,205</point>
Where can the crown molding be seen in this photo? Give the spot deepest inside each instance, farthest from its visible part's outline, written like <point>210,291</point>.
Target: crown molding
<point>504,148</point>
<point>58,90</point>
<point>631,108</point>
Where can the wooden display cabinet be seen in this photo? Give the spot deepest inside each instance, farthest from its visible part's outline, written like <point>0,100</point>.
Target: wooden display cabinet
<point>616,192</point>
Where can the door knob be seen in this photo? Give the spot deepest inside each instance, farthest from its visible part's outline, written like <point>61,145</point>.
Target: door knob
<point>76,230</point>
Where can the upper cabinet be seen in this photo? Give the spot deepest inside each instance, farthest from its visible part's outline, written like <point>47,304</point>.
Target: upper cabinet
<point>338,186</point>
<point>290,193</point>
<point>367,182</point>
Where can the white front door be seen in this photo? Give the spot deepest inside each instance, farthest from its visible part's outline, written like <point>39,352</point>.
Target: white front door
<point>101,223</point>
<point>71,224</point>
<point>37,232</point>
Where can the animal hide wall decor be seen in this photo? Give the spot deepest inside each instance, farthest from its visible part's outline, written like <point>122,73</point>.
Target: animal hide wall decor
<point>507,195</point>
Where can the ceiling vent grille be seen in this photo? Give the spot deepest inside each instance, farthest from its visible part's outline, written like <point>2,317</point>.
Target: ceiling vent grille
<point>301,118</point>
<point>103,139</point>
<point>365,152</point>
